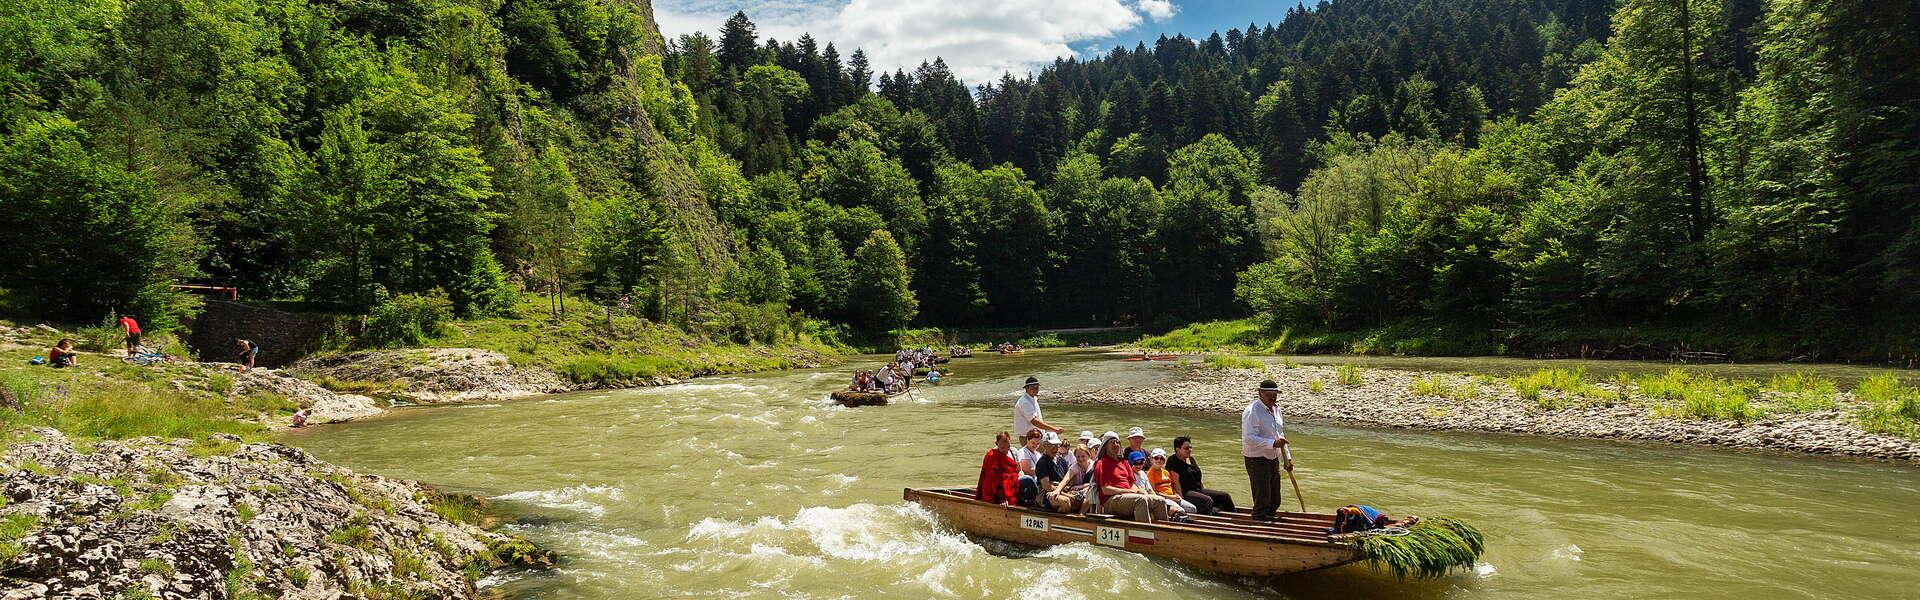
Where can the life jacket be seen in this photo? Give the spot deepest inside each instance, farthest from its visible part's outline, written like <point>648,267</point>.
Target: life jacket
<point>1358,517</point>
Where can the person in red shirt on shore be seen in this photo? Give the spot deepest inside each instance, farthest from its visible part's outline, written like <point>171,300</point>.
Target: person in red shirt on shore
<point>999,473</point>
<point>132,328</point>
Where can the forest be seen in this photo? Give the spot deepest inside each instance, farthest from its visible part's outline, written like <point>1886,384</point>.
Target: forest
<point>1750,164</point>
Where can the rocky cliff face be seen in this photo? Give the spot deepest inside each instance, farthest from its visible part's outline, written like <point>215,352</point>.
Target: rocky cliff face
<point>221,519</point>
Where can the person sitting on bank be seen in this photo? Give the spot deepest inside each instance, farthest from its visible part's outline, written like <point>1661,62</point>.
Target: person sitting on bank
<point>62,355</point>
<point>1192,487</point>
<point>1114,478</point>
<point>247,352</point>
<point>1164,482</point>
<point>999,474</point>
<point>300,417</point>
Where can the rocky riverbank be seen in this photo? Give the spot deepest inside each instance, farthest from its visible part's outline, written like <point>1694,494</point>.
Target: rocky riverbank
<point>219,518</point>
<point>434,375</point>
<point>1387,398</point>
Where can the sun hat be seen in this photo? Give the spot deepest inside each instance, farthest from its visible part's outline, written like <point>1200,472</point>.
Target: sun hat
<point>1086,435</point>
<point>1109,436</point>
<point>1158,453</point>
<point>1050,438</point>
<point>1136,433</point>
<point>1269,386</point>
<point>1032,381</point>
<point>1135,456</point>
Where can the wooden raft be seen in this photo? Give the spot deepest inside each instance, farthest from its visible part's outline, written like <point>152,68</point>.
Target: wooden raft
<point>1230,543</point>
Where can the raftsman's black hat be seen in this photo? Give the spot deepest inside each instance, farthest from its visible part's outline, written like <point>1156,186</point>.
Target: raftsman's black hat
<point>1269,386</point>
<point>1032,381</point>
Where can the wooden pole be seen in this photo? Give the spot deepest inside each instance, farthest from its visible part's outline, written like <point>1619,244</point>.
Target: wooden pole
<point>1296,491</point>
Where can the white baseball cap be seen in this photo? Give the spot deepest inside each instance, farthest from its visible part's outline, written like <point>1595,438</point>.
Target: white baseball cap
<point>1086,435</point>
<point>1050,438</point>
<point>1136,433</point>
<point>1158,453</point>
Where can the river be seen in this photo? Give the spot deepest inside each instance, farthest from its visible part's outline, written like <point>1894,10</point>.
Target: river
<point>756,487</point>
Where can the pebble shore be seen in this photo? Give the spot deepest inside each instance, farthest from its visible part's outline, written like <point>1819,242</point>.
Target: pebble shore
<point>1386,399</point>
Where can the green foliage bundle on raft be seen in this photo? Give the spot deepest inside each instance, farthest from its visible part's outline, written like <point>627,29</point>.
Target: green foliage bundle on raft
<point>1429,549</point>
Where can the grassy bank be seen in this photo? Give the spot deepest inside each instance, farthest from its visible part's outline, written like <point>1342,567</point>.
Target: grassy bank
<point>587,345</point>
<point>1880,404</point>
<point>104,397</point>
<point>1883,346</point>
<point>981,338</point>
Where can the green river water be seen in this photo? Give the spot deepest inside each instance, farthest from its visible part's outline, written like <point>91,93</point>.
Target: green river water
<point>756,487</point>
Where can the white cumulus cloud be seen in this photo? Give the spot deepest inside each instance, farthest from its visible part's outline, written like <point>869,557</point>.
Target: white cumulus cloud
<point>1158,10</point>
<point>979,39</point>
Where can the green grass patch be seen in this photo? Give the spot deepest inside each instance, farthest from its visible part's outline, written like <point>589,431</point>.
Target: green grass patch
<point>127,402</point>
<point>1231,361</point>
<point>1801,392</point>
<point>13,527</point>
<point>1316,386</point>
<point>1243,335</point>
<point>459,508</point>
<point>586,346</point>
<point>364,388</point>
<point>1429,385</point>
<point>1570,387</point>
<point>1888,406</point>
<point>1350,375</point>
<point>157,567</point>
<point>1430,549</point>
<point>355,534</point>
<point>1680,394</point>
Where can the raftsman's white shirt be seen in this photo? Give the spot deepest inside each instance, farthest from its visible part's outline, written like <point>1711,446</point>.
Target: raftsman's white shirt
<point>1025,410</point>
<point>1259,427</point>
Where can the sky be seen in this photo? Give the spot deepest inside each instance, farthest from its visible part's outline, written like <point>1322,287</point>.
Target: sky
<point>980,39</point>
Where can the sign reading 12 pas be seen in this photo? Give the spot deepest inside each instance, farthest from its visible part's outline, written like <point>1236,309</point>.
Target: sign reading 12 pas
<point>1118,537</point>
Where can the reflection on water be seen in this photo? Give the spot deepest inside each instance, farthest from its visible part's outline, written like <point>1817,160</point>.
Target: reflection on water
<point>756,486</point>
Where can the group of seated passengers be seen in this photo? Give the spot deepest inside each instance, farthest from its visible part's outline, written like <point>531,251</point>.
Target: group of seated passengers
<point>888,379</point>
<point>1099,475</point>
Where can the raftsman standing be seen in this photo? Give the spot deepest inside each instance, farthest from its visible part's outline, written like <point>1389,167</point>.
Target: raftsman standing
<point>1026,411</point>
<point>1264,444</point>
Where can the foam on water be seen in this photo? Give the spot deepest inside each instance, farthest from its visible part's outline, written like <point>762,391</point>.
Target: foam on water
<point>589,499</point>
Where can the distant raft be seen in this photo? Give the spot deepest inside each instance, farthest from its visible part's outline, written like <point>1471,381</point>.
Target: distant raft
<point>852,398</point>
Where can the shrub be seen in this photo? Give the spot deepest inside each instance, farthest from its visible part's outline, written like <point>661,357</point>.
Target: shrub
<point>1350,376</point>
<point>1045,340</point>
<point>1316,386</point>
<point>106,337</point>
<point>407,320</point>
<point>1889,407</point>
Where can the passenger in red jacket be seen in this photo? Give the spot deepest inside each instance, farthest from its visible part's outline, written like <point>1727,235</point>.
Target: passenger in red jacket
<point>999,473</point>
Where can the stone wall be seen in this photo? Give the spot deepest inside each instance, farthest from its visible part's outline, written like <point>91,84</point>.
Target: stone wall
<point>283,336</point>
